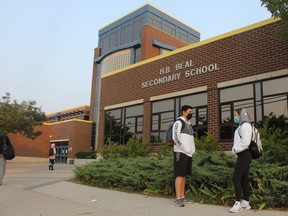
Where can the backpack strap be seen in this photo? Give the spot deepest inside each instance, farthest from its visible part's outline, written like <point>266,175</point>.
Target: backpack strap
<point>182,122</point>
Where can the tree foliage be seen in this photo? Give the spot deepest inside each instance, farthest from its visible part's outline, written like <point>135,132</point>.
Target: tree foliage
<point>20,117</point>
<point>278,8</point>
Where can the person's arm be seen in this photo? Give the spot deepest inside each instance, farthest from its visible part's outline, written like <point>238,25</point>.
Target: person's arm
<point>176,132</point>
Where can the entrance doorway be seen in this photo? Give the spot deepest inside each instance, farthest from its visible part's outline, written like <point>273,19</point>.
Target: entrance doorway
<point>61,150</point>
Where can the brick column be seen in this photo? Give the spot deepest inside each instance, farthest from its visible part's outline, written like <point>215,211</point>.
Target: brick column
<point>147,121</point>
<point>213,111</point>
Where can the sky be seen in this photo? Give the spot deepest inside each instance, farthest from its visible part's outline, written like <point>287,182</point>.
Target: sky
<point>47,46</point>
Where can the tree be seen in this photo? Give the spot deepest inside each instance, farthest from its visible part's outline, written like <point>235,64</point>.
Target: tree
<point>20,117</point>
<point>278,8</point>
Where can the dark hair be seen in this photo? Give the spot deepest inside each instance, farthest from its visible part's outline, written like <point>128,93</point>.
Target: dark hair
<point>185,108</point>
<point>238,111</point>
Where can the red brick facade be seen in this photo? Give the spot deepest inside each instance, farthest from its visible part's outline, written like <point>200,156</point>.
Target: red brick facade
<point>78,133</point>
<point>251,51</point>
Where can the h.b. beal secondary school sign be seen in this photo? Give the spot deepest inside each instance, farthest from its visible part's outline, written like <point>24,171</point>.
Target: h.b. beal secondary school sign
<point>184,69</point>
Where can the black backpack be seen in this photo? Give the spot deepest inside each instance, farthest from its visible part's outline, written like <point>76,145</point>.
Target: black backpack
<point>51,152</point>
<point>8,150</point>
<point>254,147</point>
<point>169,140</point>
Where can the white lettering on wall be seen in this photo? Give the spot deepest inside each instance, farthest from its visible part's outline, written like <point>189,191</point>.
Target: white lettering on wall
<point>161,80</point>
<point>185,67</point>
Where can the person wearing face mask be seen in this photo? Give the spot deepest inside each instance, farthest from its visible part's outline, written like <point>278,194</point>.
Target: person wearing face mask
<point>242,139</point>
<point>184,148</point>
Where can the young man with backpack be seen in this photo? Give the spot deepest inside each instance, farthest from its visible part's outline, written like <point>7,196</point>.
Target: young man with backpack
<point>184,148</point>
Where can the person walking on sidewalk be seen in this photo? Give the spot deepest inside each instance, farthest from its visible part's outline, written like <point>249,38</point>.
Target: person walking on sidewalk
<point>242,139</point>
<point>52,156</point>
<point>2,159</point>
<point>184,148</point>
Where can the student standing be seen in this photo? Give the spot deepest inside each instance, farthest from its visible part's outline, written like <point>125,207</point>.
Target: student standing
<point>184,148</point>
<point>242,139</point>
<point>52,157</point>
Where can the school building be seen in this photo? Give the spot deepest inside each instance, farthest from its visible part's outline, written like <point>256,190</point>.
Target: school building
<point>148,64</point>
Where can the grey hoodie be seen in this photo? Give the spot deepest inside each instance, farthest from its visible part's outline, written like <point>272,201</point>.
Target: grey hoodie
<point>243,134</point>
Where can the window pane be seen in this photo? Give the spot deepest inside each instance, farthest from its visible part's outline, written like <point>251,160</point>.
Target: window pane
<point>276,105</point>
<point>130,125</point>
<point>202,116</point>
<point>155,122</point>
<point>226,114</point>
<point>134,110</point>
<point>194,100</point>
<point>166,119</point>
<point>275,86</point>
<point>236,93</point>
<point>139,124</point>
<point>164,105</point>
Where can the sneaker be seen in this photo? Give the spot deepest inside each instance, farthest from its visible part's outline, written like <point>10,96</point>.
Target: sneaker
<point>179,203</point>
<point>236,207</point>
<point>0,183</point>
<point>245,204</point>
<point>188,201</point>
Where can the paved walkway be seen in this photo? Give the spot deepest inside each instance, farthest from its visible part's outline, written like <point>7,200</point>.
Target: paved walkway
<point>30,189</point>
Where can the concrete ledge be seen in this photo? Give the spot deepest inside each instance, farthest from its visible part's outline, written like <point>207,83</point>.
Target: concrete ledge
<point>79,162</point>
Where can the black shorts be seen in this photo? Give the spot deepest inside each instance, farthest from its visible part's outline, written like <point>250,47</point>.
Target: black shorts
<point>182,164</point>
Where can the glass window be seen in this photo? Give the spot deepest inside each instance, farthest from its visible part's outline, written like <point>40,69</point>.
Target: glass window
<point>134,110</point>
<point>236,93</point>
<point>169,28</point>
<point>155,21</point>
<point>182,35</point>
<point>137,27</point>
<point>231,99</point>
<point>104,43</point>
<point>166,111</point>
<point>276,105</point>
<point>115,37</point>
<point>124,123</point>
<point>126,32</point>
<point>164,105</point>
<point>275,86</point>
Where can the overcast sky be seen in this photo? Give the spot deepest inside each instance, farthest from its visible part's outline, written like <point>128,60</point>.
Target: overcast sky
<point>46,46</point>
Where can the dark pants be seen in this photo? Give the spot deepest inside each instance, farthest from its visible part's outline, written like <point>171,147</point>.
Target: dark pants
<point>241,174</point>
<point>51,161</point>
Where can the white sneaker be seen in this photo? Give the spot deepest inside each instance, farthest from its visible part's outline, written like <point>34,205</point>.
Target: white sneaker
<point>236,207</point>
<point>245,204</point>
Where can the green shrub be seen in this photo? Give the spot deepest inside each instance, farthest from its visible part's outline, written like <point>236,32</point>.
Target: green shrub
<point>211,180</point>
<point>84,155</point>
<point>206,143</point>
<point>275,144</point>
<point>135,147</point>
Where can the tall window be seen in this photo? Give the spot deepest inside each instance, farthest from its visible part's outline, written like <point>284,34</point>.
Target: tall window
<point>165,112</point>
<point>230,100</point>
<point>265,99</point>
<point>123,123</point>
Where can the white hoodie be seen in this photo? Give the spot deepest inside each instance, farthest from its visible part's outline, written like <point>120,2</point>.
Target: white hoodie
<point>243,134</point>
<point>184,140</point>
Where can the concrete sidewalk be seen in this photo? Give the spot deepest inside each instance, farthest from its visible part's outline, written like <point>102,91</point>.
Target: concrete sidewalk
<point>31,189</point>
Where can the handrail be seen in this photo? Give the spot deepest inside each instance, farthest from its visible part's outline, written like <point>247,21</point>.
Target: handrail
<point>90,156</point>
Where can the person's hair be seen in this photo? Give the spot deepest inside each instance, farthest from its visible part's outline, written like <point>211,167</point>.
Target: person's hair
<point>238,111</point>
<point>185,108</point>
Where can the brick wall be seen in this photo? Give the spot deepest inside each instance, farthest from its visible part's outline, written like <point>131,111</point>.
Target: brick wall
<point>248,53</point>
<point>78,133</point>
